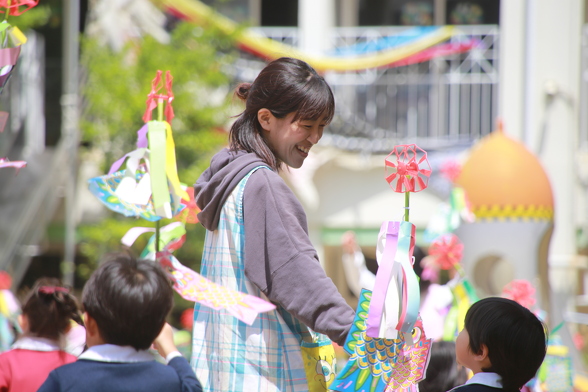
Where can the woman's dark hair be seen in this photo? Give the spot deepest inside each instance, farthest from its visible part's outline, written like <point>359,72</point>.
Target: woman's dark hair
<point>284,86</point>
<point>129,299</point>
<point>443,372</point>
<point>49,308</point>
<point>516,339</point>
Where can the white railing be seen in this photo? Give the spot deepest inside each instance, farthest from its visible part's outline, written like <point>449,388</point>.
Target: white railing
<point>439,104</point>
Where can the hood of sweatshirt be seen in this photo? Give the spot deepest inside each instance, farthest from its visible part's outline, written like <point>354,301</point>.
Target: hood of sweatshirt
<point>217,182</point>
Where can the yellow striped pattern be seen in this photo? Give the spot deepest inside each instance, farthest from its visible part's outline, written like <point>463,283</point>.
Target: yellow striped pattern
<point>512,212</point>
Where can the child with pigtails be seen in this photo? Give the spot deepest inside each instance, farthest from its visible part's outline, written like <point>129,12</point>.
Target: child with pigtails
<point>46,318</point>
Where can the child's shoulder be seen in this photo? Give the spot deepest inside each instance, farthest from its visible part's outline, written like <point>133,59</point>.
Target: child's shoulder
<point>475,388</point>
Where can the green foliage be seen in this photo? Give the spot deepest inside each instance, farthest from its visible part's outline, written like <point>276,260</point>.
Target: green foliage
<point>118,83</point>
<point>35,17</point>
<point>115,92</point>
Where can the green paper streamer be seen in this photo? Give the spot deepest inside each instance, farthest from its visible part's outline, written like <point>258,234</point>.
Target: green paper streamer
<point>159,185</point>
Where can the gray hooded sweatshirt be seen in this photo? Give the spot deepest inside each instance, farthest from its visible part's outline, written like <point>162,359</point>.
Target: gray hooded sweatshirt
<point>279,257</point>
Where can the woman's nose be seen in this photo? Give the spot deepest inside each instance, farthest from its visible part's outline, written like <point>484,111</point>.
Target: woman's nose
<point>315,135</point>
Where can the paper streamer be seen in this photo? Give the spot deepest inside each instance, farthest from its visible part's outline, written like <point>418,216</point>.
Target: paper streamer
<point>191,285</point>
<point>396,298</point>
<point>194,287</point>
<point>197,12</point>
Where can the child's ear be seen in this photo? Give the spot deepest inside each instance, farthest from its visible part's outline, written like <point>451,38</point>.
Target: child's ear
<point>482,357</point>
<point>265,117</point>
<point>23,321</point>
<point>92,332</point>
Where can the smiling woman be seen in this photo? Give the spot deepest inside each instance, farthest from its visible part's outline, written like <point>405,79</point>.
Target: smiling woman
<point>286,95</point>
<point>257,242</point>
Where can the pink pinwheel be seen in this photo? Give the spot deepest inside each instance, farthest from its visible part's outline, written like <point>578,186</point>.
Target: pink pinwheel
<point>410,170</point>
<point>521,291</point>
<point>14,6</point>
<point>446,251</point>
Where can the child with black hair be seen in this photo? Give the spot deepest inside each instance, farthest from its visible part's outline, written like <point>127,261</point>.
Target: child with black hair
<point>443,372</point>
<point>126,302</point>
<point>46,317</point>
<point>502,343</point>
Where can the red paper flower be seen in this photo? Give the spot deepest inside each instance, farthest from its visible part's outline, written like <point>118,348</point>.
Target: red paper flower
<point>409,167</point>
<point>521,291</point>
<point>446,251</point>
<point>451,170</point>
<point>153,97</point>
<point>190,213</point>
<point>5,280</point>
<point>14,6</point>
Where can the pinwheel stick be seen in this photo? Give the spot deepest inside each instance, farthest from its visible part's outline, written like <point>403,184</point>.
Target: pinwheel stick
<point>406,205</point>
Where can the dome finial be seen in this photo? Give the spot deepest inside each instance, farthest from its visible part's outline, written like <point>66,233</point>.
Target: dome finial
<point>499,125</point>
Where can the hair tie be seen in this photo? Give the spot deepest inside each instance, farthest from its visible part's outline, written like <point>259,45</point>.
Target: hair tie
<point>53,289</point>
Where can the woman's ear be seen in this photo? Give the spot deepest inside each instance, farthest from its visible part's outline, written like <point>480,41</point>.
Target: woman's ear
<point>265,118</point>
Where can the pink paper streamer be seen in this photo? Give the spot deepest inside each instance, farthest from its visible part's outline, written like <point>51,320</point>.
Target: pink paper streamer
<point>8,56</point>
<point>194,287</point>
<point>383,278</point>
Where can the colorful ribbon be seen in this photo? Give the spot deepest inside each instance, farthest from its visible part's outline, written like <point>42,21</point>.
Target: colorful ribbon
<point>197,12</point>
<point>395,300</point>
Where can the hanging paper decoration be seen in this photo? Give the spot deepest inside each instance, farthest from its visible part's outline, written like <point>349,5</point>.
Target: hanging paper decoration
<point>388,52</point>
<point>190,213</point>
<point>395,300</point>
<point>377,365</point>
<point>449,216</point>
<point>196,288</point>
<point>556,373</point>
<point>11,38</point>
<point>191,285</point>
<point>149,187</point>
<point>408,167</point>
<point>388,346</point>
